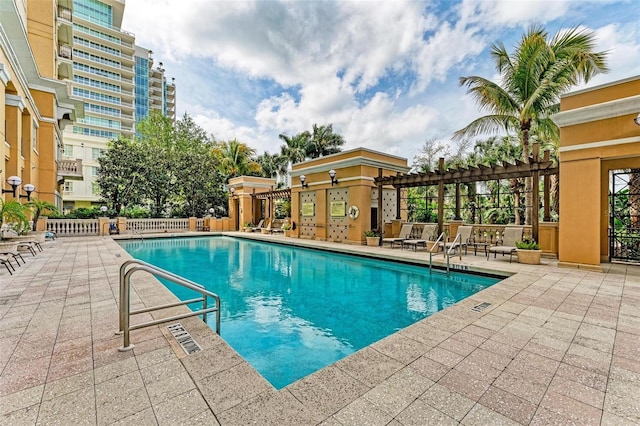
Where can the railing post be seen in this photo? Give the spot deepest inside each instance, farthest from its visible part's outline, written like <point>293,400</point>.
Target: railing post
<point>125,308</point>
<point>205,305</point>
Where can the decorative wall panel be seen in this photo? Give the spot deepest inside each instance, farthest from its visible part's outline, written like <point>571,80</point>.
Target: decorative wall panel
<point>308,223</point>
<point>338,227</point>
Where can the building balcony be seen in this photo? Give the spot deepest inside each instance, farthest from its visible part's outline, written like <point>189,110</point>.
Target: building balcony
<point>65,51</point>
<point>65,14</point>
<point>70,169</point>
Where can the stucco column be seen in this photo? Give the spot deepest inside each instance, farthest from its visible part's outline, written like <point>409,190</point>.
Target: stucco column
<point>580,187</point>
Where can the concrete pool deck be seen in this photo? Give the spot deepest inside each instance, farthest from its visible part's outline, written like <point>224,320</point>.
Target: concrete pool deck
<point>556,346</point>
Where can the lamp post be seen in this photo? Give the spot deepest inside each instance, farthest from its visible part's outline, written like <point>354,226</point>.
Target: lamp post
<point>211,211</point>
<point>15,182</point>
<point>104,210</point>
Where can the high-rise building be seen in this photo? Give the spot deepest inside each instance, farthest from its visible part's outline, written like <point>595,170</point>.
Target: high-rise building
<point>119,86</point>
<point>35,100</point>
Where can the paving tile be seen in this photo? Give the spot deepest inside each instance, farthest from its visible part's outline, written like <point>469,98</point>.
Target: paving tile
<point>25,416</point>
<point>410,381</point>
<point>521,386</point>
<point>449,402</point>
<point>389,399</point>
<point>429,368</point>
<point>362,412</point>
<point>120,397</point>
<point>369,366</point>
<point>70,384</point>
<point>577,391</point>
<point>20,375</point>
<point>328,390</point>
<point>419,414</point>
<point>469,386</point>
<point>571,409</point>
<point>508,405</point>
<point>270,407</point>
<point>443,356</point>
<point>230,387</point>
<point>180,408</point>
<point>75,408</point>
<point>580,375</point>
<point>401,348</point>
<point>480,415</point>
<point>21,399</point>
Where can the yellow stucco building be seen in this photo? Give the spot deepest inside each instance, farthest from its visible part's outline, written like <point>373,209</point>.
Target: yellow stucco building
<point>598,135</point>
<point>34,101</point>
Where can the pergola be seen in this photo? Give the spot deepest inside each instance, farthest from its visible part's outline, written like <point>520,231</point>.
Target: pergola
<point>534,167</point>
<point>271,195</point>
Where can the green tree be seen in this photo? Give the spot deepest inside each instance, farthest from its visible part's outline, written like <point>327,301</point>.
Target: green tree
<point>122,173</point>
<point>157,136</point>
<point>323,142</point>
<point>195,170</point>
<point>236,159</point>
<point>532,79</point>
<point>40,207</point>
<point>12,212</point>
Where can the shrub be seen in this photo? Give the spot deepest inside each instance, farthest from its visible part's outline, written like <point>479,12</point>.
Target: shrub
<point>527,244</point>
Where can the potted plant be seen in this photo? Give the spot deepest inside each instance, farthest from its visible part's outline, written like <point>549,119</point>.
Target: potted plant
<point>286,227</point>
<point>248,227</point>
<point>373,237</point>
<point>528,251</point>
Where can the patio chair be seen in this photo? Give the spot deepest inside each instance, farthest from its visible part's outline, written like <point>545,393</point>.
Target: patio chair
<point>509,238</point>
<point>464,233</point>
<point>13,254</point>
<point>405,232</point>
<point>259,227</point>
<point>428,232</point>
<point>7,263</point>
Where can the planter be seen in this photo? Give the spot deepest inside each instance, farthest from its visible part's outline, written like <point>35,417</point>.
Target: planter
<point>8,246</point>
<point>373,241</point>
<point>429,245</point>
<point>247,229</point>
<point>529,257</point>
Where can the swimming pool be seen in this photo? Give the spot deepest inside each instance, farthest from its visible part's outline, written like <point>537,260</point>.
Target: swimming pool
<point>290,311</point>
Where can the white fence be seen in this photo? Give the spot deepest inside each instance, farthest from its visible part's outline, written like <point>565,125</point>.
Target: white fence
<point>84,227</point>
<point>141,226</point>
<point>73,227</point>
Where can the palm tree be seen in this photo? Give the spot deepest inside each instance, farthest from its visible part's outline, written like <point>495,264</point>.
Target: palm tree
<point>532,80</point>
<point>236,159</point>
<point>324,141</point>
<point>39,207</point>
<point>12,212</point>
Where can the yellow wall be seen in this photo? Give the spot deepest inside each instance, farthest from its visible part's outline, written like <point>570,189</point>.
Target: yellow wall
<point>597,135</point>
<point>41,32</point>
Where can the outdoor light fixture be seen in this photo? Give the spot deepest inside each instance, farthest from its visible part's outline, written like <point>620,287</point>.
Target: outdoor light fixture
<point>332,175</point>
<point>15,182</point>
<point>233,191</point>
<point>303,178</point>
<point>637,120</point>
<point>211,211</point>
<point>104,210</point>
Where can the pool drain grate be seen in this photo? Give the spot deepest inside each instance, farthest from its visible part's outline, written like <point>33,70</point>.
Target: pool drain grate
<point>184,338</point>
<point>481,307</point>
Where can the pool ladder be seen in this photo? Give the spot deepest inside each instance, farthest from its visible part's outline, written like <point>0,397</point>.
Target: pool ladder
<point>447,252</point>
<point>134,265</point>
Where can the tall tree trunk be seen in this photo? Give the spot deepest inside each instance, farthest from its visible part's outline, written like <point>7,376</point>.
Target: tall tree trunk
<point>634,198</point>
<point>528,196</point>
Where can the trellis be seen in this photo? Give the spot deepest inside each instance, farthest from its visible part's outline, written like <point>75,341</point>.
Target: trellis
<point>270,196</point>
<point>534,168</point>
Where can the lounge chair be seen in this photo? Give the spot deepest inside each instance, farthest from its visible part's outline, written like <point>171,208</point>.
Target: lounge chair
<point>428,232</point>
<point>509,238</point>
<point>405,232</point>
<point>13,254</point>
<point>462,239</point>
<point>7,263</point>
<point>259,227</point>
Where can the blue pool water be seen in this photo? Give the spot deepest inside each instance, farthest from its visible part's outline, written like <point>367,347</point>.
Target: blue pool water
<point>290,311</point>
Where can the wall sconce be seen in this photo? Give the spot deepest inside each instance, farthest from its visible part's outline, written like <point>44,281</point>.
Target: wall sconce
<point>303,178</point>
<point>332,175</point>
<point>232,191</point>
<point>637,120</point>
<point>15,182</point>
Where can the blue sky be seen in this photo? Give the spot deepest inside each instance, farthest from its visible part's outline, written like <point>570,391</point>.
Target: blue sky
<point>385,73</point>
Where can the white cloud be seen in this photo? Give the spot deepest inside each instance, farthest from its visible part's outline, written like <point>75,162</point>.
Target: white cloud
<point>383,72</point>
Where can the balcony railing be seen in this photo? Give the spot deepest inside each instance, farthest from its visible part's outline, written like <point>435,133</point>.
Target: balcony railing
<point>70,168</point>
<point>64,13</point>
<point>65,51</point>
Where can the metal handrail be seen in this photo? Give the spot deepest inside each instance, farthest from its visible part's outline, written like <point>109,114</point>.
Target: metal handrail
<point>437,246</point>
<point>453,247</point>
<point>124,326</point>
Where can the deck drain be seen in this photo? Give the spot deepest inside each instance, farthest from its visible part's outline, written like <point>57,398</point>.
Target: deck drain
<point>481,307</point>
<point>184,338</point>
